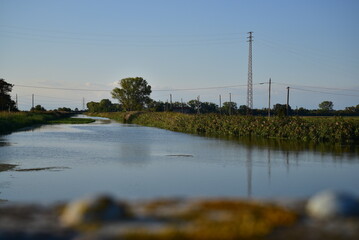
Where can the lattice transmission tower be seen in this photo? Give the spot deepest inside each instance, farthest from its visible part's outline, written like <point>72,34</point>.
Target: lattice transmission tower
<point>250,74</point>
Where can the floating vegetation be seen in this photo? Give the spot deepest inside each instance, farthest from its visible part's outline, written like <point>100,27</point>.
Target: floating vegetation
<point>41,169</point>
<point>13,167</point>
<point>3,144</point>
<point>6,167</point>
<point>179,155</point>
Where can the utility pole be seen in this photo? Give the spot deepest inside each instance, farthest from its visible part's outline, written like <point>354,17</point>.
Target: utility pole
<point>269,89</point>
<point>198,105</point>
<point>230,103</point>
<point>170,102</point>
<point>32,100</point>
<point>287,101</point>
<point>83,104</point>
<point>17,103</point>
<point>220,104</point>
<point>182,104</point>
<point>250,74</point>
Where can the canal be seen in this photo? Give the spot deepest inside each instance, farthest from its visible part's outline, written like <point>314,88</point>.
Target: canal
<point>61,162</point>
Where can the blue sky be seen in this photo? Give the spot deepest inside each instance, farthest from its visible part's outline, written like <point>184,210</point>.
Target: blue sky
<point>311,46</point>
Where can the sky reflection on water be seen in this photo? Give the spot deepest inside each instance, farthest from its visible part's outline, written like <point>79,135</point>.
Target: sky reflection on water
<point>131,161</point>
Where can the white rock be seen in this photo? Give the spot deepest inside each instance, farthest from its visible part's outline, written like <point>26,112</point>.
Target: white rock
<point>330,204</point>
<point>90,210</point>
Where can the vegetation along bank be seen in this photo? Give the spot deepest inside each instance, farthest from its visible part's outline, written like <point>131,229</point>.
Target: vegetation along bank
<point>11,121</point>
<point>318,129</point>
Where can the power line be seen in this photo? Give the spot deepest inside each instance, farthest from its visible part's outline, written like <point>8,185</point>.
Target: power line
<point>65,89</point>
<point>328,88</point>
<point>293,86</point>
<point>116,39</point>
<point>330,93</point>
<point>108,90</point>
<point>99,34</point>
<point>64,99</point>
<point>203,88</point>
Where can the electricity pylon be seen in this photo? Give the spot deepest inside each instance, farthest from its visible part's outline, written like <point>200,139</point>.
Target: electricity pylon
<point>250,74</point>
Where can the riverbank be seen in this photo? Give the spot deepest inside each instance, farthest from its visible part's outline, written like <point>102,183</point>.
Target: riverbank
<point>12,121</point>
<point>320,129</point>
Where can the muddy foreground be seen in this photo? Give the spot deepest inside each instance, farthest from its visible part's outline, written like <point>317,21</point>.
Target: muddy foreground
<point>103,217</point>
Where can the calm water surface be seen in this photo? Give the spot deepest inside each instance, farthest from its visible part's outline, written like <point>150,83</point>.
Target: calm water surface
<point>135,162</point>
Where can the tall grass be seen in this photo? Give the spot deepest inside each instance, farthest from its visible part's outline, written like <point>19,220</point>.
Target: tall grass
<point>334,129</point>
<point>11,121</point>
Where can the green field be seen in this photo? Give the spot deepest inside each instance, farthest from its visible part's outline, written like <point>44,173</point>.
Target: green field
<point>317,129</point>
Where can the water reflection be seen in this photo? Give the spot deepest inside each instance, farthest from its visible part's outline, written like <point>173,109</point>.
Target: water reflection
<point>249,172</point>
<point>349,150</point>
<point>269,165</point>
<point>294,157</point>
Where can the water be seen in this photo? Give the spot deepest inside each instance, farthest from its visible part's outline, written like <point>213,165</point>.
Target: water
<point>135,162</point>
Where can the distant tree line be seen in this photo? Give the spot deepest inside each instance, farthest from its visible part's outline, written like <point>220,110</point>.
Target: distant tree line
<point>134,95</point>
<point>228,108</point>
<point>105,105</point>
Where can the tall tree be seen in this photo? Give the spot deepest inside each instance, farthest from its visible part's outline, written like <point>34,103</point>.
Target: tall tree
<point>38,108</point>
<point>5,99</point>
<point>326,105</point>
<point>280,110</point>
<point>133,94</point>
<point>195,105</point>
<point>105,105</point>
<point>229,108</point>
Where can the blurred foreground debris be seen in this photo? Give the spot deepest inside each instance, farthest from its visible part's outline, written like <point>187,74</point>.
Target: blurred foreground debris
<point>103,217</point>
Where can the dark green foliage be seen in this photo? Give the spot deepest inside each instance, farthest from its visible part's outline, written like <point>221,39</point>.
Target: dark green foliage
<point>326,106</point>
<point>38,108</point>
<point>133,94</point>
<point>353,109</point>
<point>156,106</point>
<point>6,104</point>
<point>229,108</point>
<point>65,109</point>
<point>208,107</point>
<point>281,110</point>
<point>196,106</point>
<point>104,105</point>
<point>243,110</point>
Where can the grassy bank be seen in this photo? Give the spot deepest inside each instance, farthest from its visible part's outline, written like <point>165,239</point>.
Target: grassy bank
<point>11,121</point>
<point>328,129</point>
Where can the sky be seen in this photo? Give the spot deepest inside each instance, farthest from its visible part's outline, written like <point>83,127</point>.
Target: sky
<point>70,51</point>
